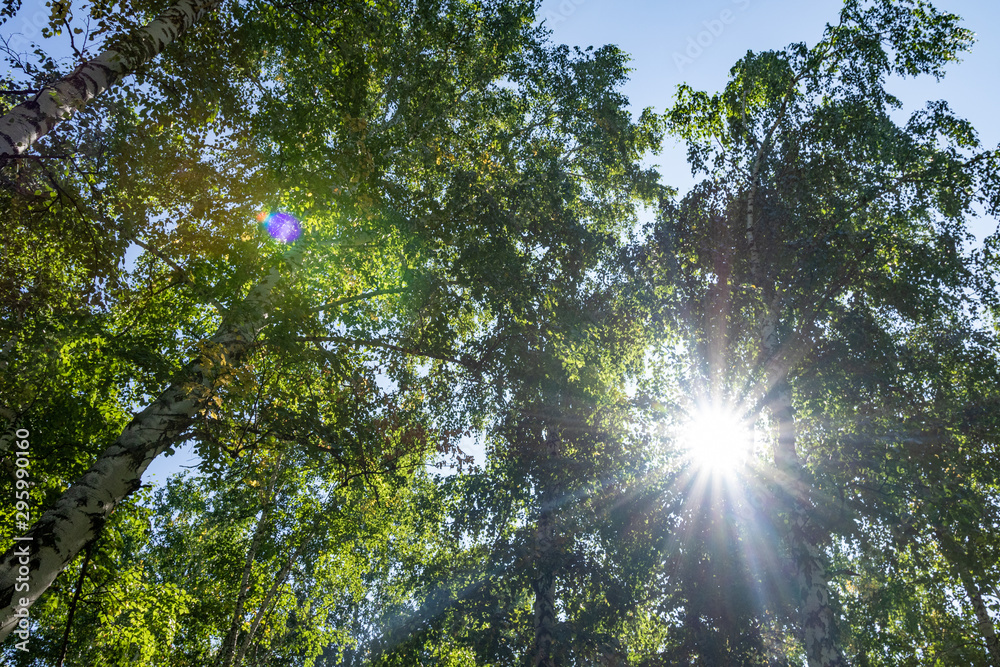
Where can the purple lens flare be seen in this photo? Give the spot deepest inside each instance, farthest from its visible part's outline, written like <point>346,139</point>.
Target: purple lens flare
<point>283,227</point>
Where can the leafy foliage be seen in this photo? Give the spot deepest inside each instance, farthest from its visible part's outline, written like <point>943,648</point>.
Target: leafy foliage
<point>471,271</point>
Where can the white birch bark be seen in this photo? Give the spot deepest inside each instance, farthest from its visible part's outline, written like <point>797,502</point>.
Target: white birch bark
<point>817,619</point>
<point>268,599</point>
<point>27,122</point>
<point>62,531</point>
<point>818,623</point>
<point>960,559</point>
<point>229,645</point>
<point>983,618</point>
<point>544,581</point>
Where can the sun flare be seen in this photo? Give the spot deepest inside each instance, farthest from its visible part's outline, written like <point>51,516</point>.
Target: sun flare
<point>717,439</point>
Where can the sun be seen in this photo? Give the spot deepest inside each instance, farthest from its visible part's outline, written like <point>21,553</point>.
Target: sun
<point>716,439</point>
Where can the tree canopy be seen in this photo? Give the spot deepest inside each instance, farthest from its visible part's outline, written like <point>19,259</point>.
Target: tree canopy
<point>334,247</point>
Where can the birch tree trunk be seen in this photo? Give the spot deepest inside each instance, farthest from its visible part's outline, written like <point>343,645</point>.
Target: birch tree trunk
<point>544,583</point>
<point>719,303</point>
<point>29,567</point>
<point>279,580</point>
<point>27,122</point>
<point>959,558</point>
<point>817,619</point>
<point>544,586</point>
<point>229,645</point>
<point>985,621</point>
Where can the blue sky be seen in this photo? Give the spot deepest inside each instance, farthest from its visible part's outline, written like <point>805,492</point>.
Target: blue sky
<point>659,37</point>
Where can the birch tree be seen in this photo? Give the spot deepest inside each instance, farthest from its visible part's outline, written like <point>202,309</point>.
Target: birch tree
<point>116,473</point>
<point>443,198</point>
<point>27,122</point>
<point>816,191</point>
<point>549,398</point>
<point>929,488</point>
<point>76,518</point>
<point>406,179</point>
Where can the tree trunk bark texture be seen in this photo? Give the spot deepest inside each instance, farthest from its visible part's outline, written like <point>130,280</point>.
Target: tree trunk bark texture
<point>30,566</point>
<point>229,645</point>
<point>960,557</point>
<point>544,586</point>
<point>546,559</point>
<point>818,625</point>
<point>28,121</point>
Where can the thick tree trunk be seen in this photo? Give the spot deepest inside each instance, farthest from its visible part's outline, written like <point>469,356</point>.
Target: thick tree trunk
<point>817,619</point>
<point>546,560</point>
<point>29,567</point>
<point>28,121</point>
<point>544,586</point>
